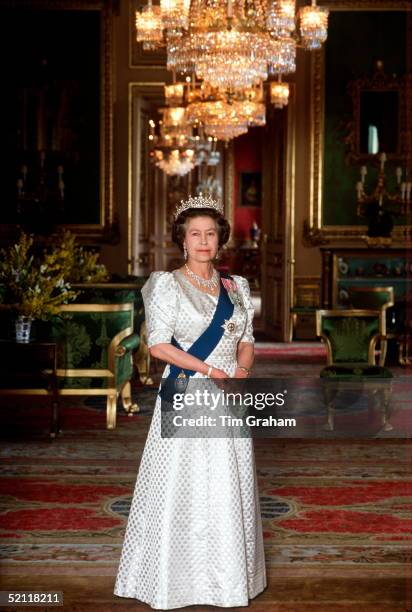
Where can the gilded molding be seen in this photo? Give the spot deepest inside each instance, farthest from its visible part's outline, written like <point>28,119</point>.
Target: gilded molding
<point>312,236</point>
<point>138,241</point>
<point>229,190</point>
<point>126,306</point>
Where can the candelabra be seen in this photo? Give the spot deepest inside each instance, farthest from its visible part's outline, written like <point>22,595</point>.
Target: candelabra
<point>401,197</point>
<point>36,183</point>
<point>40,192</point>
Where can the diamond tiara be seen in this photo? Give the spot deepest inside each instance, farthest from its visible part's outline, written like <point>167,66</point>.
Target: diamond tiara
<point>198,202</point>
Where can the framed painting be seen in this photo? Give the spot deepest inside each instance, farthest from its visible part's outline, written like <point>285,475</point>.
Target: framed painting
<point>377,30</point>
<point>56,121</point>
<point>250,189</point>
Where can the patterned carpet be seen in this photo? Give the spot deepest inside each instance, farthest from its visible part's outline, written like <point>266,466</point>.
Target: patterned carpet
<point>330,507</point>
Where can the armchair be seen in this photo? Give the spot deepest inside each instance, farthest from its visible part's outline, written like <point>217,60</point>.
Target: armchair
<point>120,291</point>
<point>376,298</point>
<point>351,337</point>
<point>96,343</point>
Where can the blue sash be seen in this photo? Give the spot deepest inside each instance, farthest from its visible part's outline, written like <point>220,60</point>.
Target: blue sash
<point>203,346</point>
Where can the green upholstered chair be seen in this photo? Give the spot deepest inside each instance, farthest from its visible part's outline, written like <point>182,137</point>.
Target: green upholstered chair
<point>95,347</point>
<point>126,289</point>
<point>351,337</point>
<point>374,298</point>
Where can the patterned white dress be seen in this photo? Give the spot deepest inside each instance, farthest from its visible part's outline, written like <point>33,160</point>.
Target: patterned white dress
<point>194,533</point>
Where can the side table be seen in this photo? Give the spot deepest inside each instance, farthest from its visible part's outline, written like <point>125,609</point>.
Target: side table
<point>31,369</point>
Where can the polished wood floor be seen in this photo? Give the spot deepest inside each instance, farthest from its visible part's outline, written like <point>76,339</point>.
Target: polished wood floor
<point>282,595</point>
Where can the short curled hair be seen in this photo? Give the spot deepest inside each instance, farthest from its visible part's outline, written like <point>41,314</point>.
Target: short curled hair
<point>179,226</point>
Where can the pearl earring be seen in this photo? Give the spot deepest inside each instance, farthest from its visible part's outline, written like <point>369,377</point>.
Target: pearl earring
<point>184,251</point>
<point>217,255</point>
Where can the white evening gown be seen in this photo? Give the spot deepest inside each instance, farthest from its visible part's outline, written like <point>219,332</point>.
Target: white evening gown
<point>194,533</point>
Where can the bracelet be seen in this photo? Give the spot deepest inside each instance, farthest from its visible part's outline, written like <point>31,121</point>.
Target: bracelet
<point>247,370</point>
<point>209,371</point>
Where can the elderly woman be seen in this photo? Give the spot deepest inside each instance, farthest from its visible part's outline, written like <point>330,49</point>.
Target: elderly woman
<point>194,533</point>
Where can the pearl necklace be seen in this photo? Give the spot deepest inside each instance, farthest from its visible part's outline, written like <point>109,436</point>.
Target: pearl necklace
<point>207,283</point>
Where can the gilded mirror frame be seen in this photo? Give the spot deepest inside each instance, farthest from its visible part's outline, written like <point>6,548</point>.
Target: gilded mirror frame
<point>379,82</point>
<point>106,230</point>
<point>315,233</point>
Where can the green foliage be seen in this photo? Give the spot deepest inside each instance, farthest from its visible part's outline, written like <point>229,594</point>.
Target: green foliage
<point>37,286</point>
<point>34,287</point>
<point>82,265</point>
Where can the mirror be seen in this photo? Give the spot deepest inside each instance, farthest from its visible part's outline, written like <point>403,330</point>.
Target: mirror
<point>379,122</point>
<point>379,117</point>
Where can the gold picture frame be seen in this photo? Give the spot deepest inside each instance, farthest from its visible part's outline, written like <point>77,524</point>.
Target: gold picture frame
<point>315,233</point>
<point>105,230</point>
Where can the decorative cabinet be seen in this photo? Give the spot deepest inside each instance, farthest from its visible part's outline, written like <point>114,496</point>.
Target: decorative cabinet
<point>347,268</point>
<point>343,268</point>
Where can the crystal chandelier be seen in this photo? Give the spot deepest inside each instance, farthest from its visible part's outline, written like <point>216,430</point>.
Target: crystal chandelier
<point>281,16</point>
<point>179,147</point>
<point>232,46</point>
<point>174,94</point>
<point>176,162</point>
<point>282,55</point>
<point>313,26</point>
<point>228,42</point>
<point>223,114</point>
<point>149,27</point>
<point>230,59</point>
<point>175,13</point>
<point>279,93</point>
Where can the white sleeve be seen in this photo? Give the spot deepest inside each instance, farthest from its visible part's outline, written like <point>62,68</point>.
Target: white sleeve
<point>244,290</point>
<point>160,297</point>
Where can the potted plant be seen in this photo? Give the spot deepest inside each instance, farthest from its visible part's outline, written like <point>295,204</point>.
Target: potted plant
<point>32,287</point>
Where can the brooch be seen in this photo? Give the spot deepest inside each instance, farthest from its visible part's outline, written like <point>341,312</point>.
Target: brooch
<point>181,382</point>
<point>232,291</point>
<point>229,326</point>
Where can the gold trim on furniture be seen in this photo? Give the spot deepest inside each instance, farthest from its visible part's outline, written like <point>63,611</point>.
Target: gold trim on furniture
<point>115,343</point>
<point>126,395</point>
<point>142,357</point>
<point>111,392</point>
<point>84,373</point>
<point>125,306</point>
<point>25,392</point>
<point>374,289</point>
<point>391,301</point>
<point>120,351</point>
<point>381,335</point>
<point>76,391</point>
<point>378,385</point>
